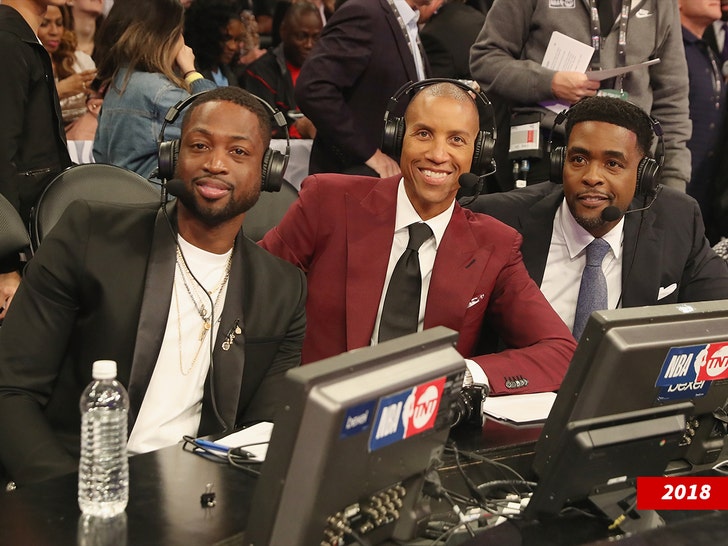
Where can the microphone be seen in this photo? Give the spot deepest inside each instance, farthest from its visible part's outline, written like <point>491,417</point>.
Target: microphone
<point>612,213</point>
<point>175,187</point>
<point>469,181</point>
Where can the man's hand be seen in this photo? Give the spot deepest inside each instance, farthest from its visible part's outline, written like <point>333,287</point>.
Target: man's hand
<point>9,283</point>
<point>383,164</point>
<point>305,127</point>
<point>573,86</point>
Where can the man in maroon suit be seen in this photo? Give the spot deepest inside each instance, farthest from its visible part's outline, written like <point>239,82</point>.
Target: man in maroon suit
<point>348,232</point>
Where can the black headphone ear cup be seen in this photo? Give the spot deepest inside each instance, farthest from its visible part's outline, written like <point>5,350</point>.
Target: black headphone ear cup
<point>272,170</point>
<point>648,172</point>
<point>482,154</point>
<point>557,157</point>
<point>167,159</point>
<point>393,136</point>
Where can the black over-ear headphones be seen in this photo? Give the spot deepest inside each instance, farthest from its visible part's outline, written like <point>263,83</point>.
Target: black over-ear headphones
<point>394,126</point>
<point>648,170</point>
<point>274,162</point>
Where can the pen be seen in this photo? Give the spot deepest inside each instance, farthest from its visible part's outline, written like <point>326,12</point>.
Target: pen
<point>211,445</point>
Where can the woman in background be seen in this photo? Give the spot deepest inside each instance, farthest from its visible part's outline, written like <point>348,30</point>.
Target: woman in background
<point>144,68</point>
<point>73,70</point>
<point>214,31</point>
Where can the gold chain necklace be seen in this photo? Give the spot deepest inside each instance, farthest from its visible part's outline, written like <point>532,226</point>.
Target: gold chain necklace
<point>199,306</point>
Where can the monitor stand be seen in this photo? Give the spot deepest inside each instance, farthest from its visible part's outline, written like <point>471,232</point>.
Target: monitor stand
<point>615,503</point>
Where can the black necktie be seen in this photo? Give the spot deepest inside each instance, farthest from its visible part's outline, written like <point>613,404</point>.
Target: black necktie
<point>401,309</point>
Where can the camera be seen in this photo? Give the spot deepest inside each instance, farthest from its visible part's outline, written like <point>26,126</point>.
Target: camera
<point>468,407</point>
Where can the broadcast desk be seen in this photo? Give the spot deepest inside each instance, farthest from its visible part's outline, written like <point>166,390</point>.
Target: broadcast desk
<point>164,506</point>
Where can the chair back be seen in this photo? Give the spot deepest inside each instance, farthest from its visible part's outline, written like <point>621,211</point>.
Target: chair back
<point>268,211</point>
<point>91,182</point>
<point>14,236</point>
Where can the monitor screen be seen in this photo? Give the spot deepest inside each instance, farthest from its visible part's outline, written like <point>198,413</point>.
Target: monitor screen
<point>359,430</point>
<point>648,357</point>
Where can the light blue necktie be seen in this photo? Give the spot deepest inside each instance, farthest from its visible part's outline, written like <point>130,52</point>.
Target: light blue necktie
<point>593,288</point>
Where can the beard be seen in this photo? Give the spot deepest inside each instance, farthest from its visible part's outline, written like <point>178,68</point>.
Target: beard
<point>590,223</point>
<point>212,214</point>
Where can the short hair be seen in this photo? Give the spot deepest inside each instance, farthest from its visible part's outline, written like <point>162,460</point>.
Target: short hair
<point>449,90</point>
<point>296,10</point>
<point>238,96</point>
<point>617,112</point>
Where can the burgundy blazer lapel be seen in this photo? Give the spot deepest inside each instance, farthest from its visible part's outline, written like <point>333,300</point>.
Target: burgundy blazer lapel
<point>369,234</point>
<point>458,257</point>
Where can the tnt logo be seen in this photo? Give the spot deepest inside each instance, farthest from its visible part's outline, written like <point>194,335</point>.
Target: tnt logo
<point>712,362</point>
<point>406,414</point>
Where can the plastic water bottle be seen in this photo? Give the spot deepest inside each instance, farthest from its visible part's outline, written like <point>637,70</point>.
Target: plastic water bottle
<point>103,473</point>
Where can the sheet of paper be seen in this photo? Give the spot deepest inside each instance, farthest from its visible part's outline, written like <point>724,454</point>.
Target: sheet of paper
<point>520,408</point>
<point>599,75</point>
<point>565,54</point>
<point>254,439</point>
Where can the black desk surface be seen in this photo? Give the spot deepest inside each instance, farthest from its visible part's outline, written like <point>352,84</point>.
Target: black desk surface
<point>164,505</point>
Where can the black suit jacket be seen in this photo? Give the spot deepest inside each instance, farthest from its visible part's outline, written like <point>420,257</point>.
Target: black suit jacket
<point>100,288</point>
<point>358,63</point>
<point>447,39</point>
<point>664,245</point>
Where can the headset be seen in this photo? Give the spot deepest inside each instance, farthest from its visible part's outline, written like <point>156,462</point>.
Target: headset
<point>394,126</point>
<point>648,170</point>
<point>274,162</point>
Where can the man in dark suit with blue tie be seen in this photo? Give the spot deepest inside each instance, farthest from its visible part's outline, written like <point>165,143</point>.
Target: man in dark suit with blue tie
<point>655,255</point>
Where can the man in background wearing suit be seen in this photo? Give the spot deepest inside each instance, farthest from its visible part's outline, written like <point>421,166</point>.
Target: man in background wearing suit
<point>367,50</point>
<point>348,232</point>
<point>654,256</point>
<point>450,30</point>
<point>161,293</point>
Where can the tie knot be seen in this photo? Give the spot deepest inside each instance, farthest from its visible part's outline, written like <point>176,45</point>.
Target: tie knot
<point>418,234</point>
<point>596,251</point>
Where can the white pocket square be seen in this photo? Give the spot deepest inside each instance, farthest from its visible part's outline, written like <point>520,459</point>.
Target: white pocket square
<point>476,300</point>
<point>663,292</point>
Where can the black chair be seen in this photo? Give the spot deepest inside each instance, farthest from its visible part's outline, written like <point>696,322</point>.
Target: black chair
<point>14,236</point>
<point>268,211</point>
<point>91,182</point>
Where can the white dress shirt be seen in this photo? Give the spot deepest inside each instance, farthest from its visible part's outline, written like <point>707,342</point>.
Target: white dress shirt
<point>410,17</point>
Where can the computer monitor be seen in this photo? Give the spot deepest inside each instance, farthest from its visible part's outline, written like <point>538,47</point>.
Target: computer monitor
<point>645,358</point>
<point>357,434</point>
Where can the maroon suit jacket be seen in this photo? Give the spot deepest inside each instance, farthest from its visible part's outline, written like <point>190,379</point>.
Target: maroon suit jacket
<point>340,233</point>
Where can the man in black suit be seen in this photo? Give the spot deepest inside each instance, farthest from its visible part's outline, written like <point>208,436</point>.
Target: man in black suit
<point>367,50</point>
<point>164,294</point>
<point>448,35</point>
<point>655,256</point>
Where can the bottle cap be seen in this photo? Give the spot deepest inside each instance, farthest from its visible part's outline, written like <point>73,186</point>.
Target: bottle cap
<point>104,369</point>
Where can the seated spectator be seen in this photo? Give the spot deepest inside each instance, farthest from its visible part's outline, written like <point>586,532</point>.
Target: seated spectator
<point>649,256</point>
<point>144,68</point>
<point>159,292</point>
<point>273,76</point>
<point>73,70</point>
<point>214,31</point>
<point>348,232</point>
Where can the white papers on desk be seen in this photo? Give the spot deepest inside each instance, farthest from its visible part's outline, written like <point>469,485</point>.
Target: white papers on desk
<point>253,439</point>
<point>520,409</point>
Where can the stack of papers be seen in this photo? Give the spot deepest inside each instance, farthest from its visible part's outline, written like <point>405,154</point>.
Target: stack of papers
<point>520,409</point>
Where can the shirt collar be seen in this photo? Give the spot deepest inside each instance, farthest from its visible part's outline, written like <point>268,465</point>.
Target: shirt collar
<point>409,15</point>
<point>406,215</point>
<point>577,238</point>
